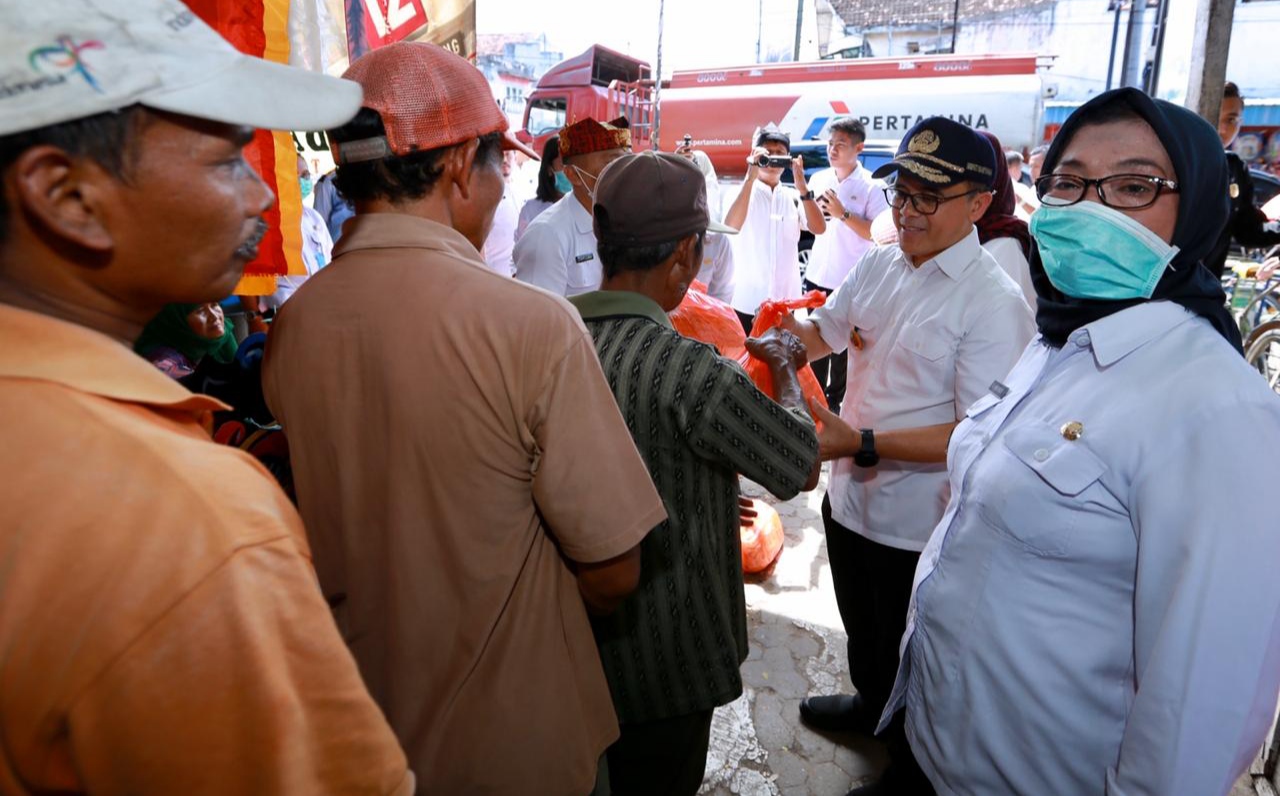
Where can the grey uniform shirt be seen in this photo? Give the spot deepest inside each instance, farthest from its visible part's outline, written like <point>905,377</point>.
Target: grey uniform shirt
<point>1101,615</point>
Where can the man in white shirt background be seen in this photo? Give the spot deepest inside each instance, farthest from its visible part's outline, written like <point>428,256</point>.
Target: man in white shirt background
<point>498,247</point>
<point>850,199</point>
<point>557,252</point>
<point>933,324</point>
<point>769,217</point>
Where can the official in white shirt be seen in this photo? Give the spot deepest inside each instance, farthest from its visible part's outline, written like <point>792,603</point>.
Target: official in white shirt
<point>500,243</point>
<point>557,252</point>
<point>932,322</point>
<point>850,199</point>
<point>1098,611</point>
<point>769,216</point>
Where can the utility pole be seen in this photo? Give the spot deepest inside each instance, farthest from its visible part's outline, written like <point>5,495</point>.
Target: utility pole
<point>1157,39</point>
<point>955,28</point>
<point>759,27</point>
<point>655,108</point>
<point>1129,71</point>
<point>1115,37</point>
<point>1209,57</point>
<point>799,24</point>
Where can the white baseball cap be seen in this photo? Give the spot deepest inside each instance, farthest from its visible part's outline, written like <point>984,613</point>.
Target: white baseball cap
<point>62,60</point>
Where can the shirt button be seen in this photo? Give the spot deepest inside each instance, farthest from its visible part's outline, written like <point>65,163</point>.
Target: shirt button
<point>1041,455</point>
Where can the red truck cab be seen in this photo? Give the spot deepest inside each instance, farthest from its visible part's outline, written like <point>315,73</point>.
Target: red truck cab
<point>582,87</point>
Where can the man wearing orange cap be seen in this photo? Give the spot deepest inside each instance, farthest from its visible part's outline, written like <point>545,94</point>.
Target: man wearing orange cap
<point>466,478</point>
<point>558,250</point>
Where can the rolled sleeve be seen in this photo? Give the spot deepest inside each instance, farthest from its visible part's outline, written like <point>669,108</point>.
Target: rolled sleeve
<point>835,319</point>
<point>748,431</point>
<point>590,483</point>
<point>1206,609</point>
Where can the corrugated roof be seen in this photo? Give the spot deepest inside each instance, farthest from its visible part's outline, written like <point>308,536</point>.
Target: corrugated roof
<point>879,13</point>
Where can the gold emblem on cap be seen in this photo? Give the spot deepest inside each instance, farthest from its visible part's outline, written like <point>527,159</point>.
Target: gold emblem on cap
<point>925,141</point>
<point>1234,191</point>
<point>1073,430</point>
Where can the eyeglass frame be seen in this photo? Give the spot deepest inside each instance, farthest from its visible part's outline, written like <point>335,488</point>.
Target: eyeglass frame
<point>889,191</point>
<point>1161,183</point>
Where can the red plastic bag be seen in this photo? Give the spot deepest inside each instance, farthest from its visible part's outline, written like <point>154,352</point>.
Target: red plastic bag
<point>769,316</point>
<point>709,320</point>
<point>762,539</point>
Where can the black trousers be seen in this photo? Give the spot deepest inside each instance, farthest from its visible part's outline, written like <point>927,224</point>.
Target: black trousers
<point>873,591</point>
<point>667,756</point>
<point>832,370</point>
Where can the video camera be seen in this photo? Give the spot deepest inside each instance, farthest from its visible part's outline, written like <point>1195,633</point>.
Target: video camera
<point>773,162</point>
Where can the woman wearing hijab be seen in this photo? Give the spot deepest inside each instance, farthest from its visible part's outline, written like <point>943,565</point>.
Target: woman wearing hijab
<point>178,339</point>
<point>1004,235</point>
<point>1098,612</point>
<point>552,185</point>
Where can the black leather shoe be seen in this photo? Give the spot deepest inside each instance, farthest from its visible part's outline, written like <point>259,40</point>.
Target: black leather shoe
<point>838,713</point>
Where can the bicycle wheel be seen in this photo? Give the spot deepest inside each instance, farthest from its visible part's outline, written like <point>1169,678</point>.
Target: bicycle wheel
<point>1262,352</point>
<point>1263,308</point>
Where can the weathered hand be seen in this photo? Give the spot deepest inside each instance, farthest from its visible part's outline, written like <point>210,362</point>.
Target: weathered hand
<point>836,438</point>
<point>746,511</point>
<point>778,348</point>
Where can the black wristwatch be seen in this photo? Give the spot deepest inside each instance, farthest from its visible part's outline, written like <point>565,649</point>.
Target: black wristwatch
<point>807,196</point>
<point>866,455</point>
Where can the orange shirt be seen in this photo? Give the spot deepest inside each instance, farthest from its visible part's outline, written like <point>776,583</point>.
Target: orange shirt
<point>454,441</point>
<point>161,630</point>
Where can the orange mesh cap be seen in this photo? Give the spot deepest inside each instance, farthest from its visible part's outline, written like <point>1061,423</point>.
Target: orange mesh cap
<point>428,98</point>
<point>587,135</point>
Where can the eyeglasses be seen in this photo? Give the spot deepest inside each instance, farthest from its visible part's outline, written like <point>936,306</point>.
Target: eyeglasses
<point>926,204</point>
<point>1119,191</point>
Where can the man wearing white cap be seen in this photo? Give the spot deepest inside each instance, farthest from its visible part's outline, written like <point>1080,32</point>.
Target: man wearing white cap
<point>160,627</point>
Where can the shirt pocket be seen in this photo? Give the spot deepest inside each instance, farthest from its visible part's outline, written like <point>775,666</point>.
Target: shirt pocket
<point>926,343</point>
<point>584,274</point>
<point>1036,493</point>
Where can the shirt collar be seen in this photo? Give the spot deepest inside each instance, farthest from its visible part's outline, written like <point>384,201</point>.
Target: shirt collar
<point>401,231</point>
<point>41,348</point>
<point>602,304</point>
<point>1116,336</point>
<point>955,260</point>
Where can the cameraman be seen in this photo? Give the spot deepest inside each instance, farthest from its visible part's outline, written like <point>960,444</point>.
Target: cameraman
<point>768,217</point>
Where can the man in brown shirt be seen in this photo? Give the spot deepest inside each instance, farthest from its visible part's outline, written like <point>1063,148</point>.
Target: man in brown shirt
<point>466,478</point>
<point>160,627</point>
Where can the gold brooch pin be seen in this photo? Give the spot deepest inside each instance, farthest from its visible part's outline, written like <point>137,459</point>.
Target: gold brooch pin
<point>1073,430</point>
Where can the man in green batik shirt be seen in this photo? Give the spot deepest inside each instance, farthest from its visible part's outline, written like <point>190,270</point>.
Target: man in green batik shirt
<point>672,650</point>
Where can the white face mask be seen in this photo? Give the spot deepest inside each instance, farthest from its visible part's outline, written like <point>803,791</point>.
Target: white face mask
<point>583,175</point>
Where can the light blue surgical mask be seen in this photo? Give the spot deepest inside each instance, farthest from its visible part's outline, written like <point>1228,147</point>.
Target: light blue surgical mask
<point>562,183</point>
<point>306,184</point>
<point>1090,251</point>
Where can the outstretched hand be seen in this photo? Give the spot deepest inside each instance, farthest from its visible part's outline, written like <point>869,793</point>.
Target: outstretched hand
<point>778,347</point>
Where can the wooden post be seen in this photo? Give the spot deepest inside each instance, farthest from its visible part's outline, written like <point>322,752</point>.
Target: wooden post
<point>1209,57</point>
